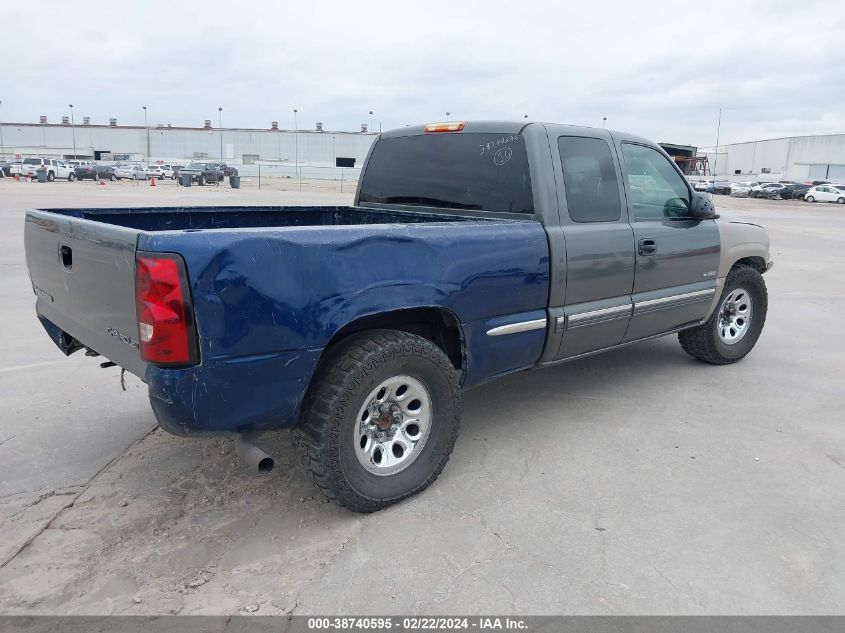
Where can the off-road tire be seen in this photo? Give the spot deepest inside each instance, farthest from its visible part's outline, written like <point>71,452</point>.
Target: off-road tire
<point>325,434</point>
<point>703,342</point>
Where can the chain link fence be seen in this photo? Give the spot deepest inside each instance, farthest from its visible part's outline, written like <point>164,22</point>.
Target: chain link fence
<point>291,177</point>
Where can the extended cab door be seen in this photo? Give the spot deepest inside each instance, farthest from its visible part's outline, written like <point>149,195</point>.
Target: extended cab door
<point>599,242</point>
<point>677,258</point>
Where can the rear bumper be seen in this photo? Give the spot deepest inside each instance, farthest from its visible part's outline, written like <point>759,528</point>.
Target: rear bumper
<point>232,395</point>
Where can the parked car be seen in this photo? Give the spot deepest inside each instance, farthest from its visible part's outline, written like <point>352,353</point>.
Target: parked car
<point>161,172</point>
<point>722,187</point>
<point>202,173</point>
<point>741,189</point>
<point>5,168</point>
<point>228,170</point>
<point>702,185</point>
<point>379,334</point>
<point>825,193</point>
<point>131,172</point>
<point>15,167</point>
<point>95,172</point>
<point>73,164</point>
<point>55,168</point>
<point>766,190</point>
<point>794,191</point>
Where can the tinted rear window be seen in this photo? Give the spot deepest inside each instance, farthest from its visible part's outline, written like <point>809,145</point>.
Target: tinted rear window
<point>589,174</point>
<point>31,161</point>
<point>484,172</point>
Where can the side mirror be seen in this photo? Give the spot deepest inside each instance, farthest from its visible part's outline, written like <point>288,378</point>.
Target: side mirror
<point>702,207</point>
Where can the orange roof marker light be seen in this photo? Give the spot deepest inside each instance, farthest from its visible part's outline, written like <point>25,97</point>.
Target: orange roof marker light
<point>450,126</point>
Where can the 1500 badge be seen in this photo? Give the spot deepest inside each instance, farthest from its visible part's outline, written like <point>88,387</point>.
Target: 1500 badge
<point>128,340</point>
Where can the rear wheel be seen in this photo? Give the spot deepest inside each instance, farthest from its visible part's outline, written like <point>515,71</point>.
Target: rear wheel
<point>51,176</point>
<point>734,327</point>
<point>380,419</point>
<point>71,177</point>
<point>201,180</point>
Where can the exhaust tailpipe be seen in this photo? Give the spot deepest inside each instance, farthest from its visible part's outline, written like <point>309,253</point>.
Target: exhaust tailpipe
<point>253,456</point>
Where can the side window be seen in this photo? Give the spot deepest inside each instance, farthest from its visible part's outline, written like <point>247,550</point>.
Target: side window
<point>657,190</point>
<point>589,175</point>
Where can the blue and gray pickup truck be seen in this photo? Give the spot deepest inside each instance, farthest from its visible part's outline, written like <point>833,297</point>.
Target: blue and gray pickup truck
<point>473,250</point>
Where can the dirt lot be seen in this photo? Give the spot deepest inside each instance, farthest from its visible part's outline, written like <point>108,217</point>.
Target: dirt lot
<point>639,481</point>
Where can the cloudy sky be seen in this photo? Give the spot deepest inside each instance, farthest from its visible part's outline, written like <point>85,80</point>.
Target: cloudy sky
<point>658,69</point>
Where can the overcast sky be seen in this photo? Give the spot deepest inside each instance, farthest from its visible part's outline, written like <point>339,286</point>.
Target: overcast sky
<point>658,69</point>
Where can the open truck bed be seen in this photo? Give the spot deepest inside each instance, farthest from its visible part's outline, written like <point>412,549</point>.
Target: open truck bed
<point>266,288</point>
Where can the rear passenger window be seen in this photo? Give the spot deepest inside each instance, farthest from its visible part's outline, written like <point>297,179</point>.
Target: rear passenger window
<point>589,175</point>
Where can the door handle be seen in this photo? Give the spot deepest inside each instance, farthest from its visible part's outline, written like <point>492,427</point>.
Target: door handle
<point>646,247</point>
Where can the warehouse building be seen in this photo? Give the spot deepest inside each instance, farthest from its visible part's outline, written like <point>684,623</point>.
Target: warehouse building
<point>819,157</point>
<point>314,147</point>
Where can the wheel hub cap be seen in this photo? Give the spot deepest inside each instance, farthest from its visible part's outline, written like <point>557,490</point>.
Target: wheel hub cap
<point>734,316</point>
<point>393,425</point>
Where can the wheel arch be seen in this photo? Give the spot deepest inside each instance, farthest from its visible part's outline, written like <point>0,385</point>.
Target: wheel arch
<point>756,262</point>
<point>434,323</point>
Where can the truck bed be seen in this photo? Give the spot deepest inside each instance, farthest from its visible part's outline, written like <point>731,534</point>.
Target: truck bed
<point>271,286</point>
<point>153,219</point>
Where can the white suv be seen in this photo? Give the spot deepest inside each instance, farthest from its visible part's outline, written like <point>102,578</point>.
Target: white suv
<point>55,168</point>
<point>161,171</point>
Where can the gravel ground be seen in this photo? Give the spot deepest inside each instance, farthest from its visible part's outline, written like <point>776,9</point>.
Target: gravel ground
<point>638,481</point>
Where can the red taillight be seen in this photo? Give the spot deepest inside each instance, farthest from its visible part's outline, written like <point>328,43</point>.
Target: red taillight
<point>165,318</point>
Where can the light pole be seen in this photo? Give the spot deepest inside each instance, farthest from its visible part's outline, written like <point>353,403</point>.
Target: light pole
<point>147,131</point>
<point>2,147</point>
<point>716,157</point>
<point>604,121</point>
<point>447,116</point>
<point>220,112</point>
<point>72,128</point>
<point>371,120</point>
<point>296,148</point>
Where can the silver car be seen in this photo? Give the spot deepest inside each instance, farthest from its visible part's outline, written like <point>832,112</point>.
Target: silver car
<point>131,172</point>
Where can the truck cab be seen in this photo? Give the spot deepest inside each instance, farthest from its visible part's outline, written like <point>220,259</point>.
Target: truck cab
<point>631,256</point>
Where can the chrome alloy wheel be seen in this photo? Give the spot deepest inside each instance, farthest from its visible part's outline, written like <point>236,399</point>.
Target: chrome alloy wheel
<point>734,316</point>
<point>393,425</point>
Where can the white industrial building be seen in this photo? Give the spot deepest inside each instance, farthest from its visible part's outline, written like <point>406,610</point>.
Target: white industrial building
<point>820,157</point>
<point>313,150</point>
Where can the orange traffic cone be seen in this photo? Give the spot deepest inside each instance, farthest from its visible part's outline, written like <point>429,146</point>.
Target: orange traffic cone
<point>153,181</point>
<point>17,177</point>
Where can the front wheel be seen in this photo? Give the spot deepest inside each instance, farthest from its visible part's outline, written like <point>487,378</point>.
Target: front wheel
<point>380,419</point>
<point>810,199</point>
<point>840,201</point>
<point>736,324</point>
